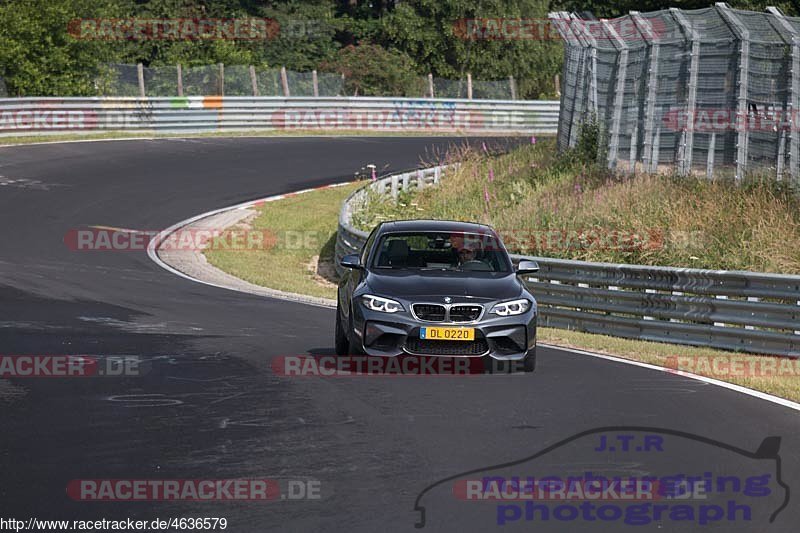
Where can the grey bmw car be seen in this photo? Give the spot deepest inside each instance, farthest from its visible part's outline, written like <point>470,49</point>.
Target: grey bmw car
<point>436,288</point>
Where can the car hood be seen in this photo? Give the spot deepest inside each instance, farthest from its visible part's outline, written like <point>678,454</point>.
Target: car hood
<point>437,284</point>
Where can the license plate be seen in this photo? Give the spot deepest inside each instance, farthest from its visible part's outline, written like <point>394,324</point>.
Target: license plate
<point>447,334</point>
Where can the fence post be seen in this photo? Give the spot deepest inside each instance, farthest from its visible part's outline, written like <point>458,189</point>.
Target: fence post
<point>634,142</point>
<point>712,146</point>
<point>619,93</point>
<point>743,34</point>
<point>794,95</point>
<point>513,86</point>
<point>557,84</point>
<point>561,21</point>
<point>180,80</point>
<point>285,82</point>
<point>315,83</point>
<point>253,80</point>
<point>686,149</point>
<point>575,22</point>
<point>140,75</point>
<point>469,86</point>
<point>221,79</point>
<point>430,86</point>
<point>649,158</point>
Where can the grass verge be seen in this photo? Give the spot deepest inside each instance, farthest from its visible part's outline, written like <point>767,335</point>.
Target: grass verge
<point>302,232</point>
<point>305,227</point>
<point>552,205</point>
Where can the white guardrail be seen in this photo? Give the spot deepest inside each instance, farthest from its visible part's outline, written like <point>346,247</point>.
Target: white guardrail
<point>732,310</point>
<point>23,116</point>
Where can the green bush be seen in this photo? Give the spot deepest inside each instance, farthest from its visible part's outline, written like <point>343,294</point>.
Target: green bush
<point>371,70</point>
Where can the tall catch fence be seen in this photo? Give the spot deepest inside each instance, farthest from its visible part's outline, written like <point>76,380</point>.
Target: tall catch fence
<point>245,80</point>
<point>707,91</point>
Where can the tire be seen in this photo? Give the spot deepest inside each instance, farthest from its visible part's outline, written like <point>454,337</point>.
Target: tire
<point>529,363</point>
<point>342,343</point>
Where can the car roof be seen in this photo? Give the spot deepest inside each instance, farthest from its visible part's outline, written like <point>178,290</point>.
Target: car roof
<point>452,226</point>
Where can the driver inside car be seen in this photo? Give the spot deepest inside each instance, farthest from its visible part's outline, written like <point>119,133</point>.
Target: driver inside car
<point>466,254</point>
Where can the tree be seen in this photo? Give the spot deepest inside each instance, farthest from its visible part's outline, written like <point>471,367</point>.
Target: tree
<point>371,70</point>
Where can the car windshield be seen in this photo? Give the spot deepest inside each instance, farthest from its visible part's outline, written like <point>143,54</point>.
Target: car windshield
<point>441,251</point>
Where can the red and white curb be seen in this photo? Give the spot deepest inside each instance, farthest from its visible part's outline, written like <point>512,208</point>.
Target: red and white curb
<point>153,245</point>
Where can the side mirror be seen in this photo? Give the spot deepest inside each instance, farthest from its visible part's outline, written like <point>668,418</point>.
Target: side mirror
<point>527,267</point>
<point>351,261</point>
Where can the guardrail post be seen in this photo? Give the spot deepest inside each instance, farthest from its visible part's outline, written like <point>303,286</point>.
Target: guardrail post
<point>650,158</point>
<point>285,82</point>
<point>180,79</point>
<point>513,86</point>
<point>469,86</point>
<point>686,149</point>
<point>254,80</point>
<point>619,93</point>
<point>140,75</point>
<point>430,86</point>
<point>315,83</point>
<point>648,317</point>
<point>793,104</point>
<point>743,138</point>
<point>221,79</point>
<point>720,297</point>
<point>557,85</point>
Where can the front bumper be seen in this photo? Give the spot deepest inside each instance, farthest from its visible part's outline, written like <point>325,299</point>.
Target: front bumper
<point>390,335</point>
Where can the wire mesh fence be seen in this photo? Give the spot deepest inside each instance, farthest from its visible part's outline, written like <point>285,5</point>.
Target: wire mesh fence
<point>245,80</point>
<point>468,88</point>
<point>214,80</point>
<point>708,91</point>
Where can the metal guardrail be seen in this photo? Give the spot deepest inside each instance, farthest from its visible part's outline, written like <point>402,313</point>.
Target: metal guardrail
<point>21,116</point>
<point>731,310</point>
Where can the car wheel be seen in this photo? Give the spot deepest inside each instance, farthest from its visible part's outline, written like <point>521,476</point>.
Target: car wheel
<point>342,343</point>
<point>529,363</point>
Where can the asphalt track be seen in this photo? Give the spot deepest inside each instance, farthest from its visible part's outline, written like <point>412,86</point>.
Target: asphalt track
<point>211,408</point>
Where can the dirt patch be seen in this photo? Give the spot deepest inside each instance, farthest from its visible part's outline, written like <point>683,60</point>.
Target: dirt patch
<point>323,272</point>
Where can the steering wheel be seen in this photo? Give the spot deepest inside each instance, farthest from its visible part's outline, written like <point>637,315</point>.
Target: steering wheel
<point>475,265</point>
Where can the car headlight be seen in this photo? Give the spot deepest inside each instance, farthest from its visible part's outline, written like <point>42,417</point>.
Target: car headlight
<point>514,307</point>
<point>384,305</point>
